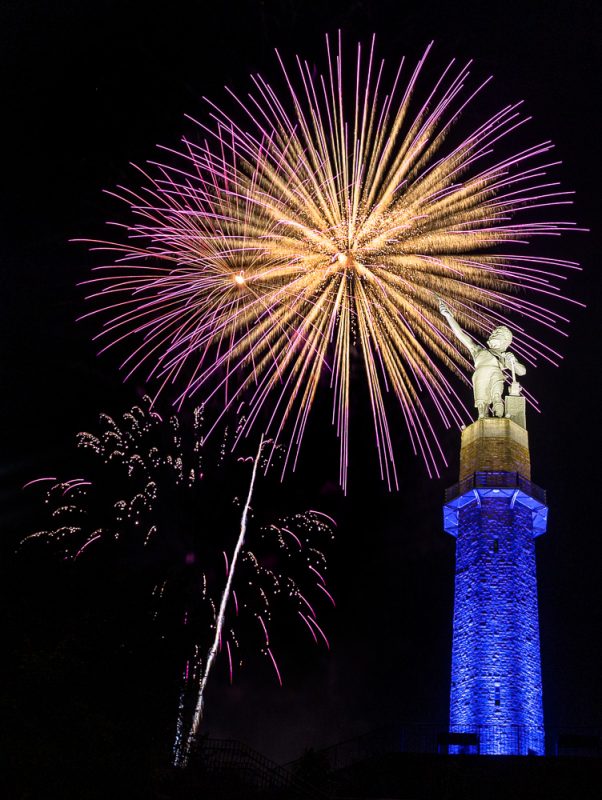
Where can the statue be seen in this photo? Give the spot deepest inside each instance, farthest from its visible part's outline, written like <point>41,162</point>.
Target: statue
<point>489,361</point>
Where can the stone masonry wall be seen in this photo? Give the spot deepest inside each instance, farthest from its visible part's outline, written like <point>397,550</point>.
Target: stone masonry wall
<point>495,445</point>
<point>496,667</point>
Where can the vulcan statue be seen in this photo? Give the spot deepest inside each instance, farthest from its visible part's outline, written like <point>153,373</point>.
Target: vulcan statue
<point>489,361</point>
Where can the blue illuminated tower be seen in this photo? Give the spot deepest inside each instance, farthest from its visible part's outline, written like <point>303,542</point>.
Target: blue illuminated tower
<point>495,513</point>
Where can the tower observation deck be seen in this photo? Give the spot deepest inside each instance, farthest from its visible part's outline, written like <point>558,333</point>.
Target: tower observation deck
<point>495,513</point>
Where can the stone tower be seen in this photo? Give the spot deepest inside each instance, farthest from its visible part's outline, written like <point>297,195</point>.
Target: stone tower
<point>495,513</point>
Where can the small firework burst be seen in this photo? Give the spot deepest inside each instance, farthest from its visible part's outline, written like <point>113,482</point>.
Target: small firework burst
<point>174,501</point>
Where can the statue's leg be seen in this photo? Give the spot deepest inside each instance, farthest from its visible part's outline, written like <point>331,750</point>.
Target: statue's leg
<point>498,405</point>
<point>497,390</point>
<point>482,410</point>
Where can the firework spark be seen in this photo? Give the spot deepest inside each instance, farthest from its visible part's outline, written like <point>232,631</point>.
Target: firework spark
<point>163,495</point>
<point>321,220</point>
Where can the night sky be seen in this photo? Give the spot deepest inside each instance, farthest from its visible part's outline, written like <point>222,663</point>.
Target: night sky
<point>89,88</point>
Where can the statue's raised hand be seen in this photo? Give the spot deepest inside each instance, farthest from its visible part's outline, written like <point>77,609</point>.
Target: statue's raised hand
<point>444,309</point>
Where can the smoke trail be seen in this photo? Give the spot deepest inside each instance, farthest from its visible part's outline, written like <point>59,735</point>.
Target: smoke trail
<point>182,748</point>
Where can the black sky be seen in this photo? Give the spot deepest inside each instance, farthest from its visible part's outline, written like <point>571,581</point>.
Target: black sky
<point>88,88</point>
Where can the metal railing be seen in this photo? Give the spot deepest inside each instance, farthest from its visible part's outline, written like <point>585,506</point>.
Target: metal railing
<point>519,740</point>
<point>499,480</point>
<point>464,740</point>
<point>228,756</point>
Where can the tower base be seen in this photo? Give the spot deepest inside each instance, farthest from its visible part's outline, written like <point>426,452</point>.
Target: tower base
<point>495,513</point>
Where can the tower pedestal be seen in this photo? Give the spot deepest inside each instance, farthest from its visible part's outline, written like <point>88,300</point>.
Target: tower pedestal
<point>495,513</point>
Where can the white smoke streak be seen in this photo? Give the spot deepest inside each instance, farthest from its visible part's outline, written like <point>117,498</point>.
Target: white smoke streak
<point>182,748</point>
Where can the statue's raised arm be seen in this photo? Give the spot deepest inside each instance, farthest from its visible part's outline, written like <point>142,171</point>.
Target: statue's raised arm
<point>461,335</point>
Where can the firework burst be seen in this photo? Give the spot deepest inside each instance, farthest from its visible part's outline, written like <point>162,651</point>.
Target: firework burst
<point>322,220</point>
<point>226,577</point>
